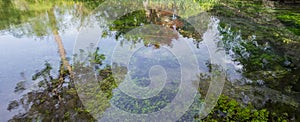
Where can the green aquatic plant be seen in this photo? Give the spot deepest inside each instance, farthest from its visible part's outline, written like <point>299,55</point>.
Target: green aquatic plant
<point>260,61</point>
<point>252,55</point>
<point>97,58</point>
<point>49,102</point>
<point>54,100</point>
<point>228,109</point>
<point>207,5</point>
<point>291,20</point>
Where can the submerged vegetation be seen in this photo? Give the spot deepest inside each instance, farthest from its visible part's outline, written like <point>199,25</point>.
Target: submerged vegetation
<point>261,35</point>
<point>47,103</point>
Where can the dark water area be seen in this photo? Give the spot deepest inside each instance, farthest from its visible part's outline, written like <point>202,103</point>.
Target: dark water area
<point>74,60</point>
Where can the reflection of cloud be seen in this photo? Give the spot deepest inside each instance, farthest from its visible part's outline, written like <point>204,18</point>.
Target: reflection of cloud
<point>158,33</point>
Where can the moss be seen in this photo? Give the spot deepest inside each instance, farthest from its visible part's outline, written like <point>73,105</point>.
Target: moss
<point>228,109</point>
<point>281,112</point>
<point>290,19</point>
<point>266,63</point>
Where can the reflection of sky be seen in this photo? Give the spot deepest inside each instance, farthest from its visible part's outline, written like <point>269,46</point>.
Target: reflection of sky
<point>143,59</point>
<point>106,46</point>
<point>26,55</point>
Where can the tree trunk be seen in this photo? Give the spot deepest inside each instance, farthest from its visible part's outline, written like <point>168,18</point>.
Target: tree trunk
<point>58,40</point>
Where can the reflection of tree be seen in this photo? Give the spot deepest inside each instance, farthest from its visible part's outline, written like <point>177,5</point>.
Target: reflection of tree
<point>64,104</point>
<point>248,102</point>
<point>44,104</point>
<point>61,50</point>
<point>43,18</point>
<point>56,97</point>
<point>30,18</point>
<point>168,21</point>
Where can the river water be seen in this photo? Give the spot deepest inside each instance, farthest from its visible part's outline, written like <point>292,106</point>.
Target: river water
<point>35,33</point>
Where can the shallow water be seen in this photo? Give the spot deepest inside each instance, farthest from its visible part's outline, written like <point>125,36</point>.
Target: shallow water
<point>33,36</point>
<point>21,58</point>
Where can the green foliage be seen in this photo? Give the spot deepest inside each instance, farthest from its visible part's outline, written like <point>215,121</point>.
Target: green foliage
<point>261,18</point>
<point>50,102</point>
<point>155,36</point>
<point>290,16</point>
<point>129,21</point>
<point>230,110</point>
<point>207,5</point>
<point>97,58</point>
<point>45,99</point>
<point>253,56</point>
<point>35,17</point>
<point>272,55</point>
<point>98,90</point>
<point>291,20</point>
<point>260,61</point>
